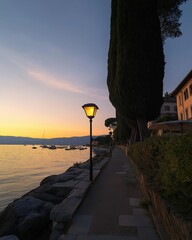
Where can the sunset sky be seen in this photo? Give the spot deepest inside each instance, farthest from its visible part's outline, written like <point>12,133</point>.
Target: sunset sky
<point>53,59</point>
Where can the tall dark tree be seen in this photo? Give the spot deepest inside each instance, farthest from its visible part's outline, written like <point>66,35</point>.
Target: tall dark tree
<point>135,62</point>
<point>123,131</point>
<point>135,58</point>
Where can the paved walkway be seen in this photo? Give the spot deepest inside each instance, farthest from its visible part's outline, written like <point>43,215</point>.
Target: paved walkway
<point>112,208</point>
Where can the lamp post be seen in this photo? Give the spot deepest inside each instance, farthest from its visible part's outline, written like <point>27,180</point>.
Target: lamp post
<point>90,111</point>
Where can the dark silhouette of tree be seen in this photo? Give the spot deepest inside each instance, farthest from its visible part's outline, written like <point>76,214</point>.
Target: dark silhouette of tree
<point>169,15</point>
<point>103,140</point>
<point>135,63</point>
<point>111,123</point>
<point>123,131</point>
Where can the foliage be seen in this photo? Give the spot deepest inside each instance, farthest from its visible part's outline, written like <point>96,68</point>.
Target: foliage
<point>166,162</point>
<point>103,140</point>
<point>137,85</point>
<point>169,15</point>
<point>166,118</point>
<point>111,123</point>
<point>77,164</point>
<point>135,62</point>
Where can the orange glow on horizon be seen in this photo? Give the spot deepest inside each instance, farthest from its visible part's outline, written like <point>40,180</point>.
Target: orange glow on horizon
<point>51,132</point>
<point>33,135</point>
<point>51,122</point>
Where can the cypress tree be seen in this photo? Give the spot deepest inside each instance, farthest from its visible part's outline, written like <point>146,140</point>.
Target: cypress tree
<point>135,62</point>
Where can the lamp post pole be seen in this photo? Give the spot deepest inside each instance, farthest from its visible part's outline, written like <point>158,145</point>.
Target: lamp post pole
<point>90,111</point>
<point>91,161</point>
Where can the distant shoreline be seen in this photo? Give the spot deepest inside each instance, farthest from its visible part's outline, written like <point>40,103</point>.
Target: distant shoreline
<point>12,140</point>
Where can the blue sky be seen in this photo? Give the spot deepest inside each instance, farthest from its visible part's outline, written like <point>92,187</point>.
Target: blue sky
<point>53,59</point>
<point>178,52</point>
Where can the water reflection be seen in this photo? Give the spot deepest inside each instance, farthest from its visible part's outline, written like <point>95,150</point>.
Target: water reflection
<point>22,168</point>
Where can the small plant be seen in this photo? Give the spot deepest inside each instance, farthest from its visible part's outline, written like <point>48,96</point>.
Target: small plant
<point>77,164</point>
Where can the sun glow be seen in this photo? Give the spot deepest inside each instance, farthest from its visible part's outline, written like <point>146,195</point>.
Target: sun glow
<point>28,129</point>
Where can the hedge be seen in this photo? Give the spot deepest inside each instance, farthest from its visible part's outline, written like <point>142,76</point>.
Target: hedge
<point>167,164</point>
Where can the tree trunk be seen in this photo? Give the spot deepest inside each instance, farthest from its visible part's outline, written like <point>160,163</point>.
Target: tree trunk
<point>142,127</point>
<point>134,130</point>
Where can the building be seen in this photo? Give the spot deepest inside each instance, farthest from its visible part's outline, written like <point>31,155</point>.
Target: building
<point>168,110</point>
<point>182,106</point>
<point>183,94</point>
<point>169,106</point>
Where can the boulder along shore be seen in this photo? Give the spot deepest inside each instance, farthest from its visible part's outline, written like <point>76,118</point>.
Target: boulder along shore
<point>44,212</point>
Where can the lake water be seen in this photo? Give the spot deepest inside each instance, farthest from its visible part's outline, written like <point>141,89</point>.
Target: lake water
<point>22,168</point>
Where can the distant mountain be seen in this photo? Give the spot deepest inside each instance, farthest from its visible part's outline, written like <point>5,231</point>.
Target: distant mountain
<point>44,141</point>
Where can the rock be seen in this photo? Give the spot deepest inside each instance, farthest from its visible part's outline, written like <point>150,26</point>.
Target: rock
<point>41,189</point>
<point>8,221</point>
<point>10,237</point>
<point>63,177</point>
<point>61,191</point>
<point>57,178</point>
<point>69,184</point>
<point>27,218</point>
<point>75,170</point>
<point>49,193</point>
<point>47,197</point>
<point>85,165</point>
<point>49,180</point>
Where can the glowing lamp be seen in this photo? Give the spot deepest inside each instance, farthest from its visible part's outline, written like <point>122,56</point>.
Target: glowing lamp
<point>90,110</point>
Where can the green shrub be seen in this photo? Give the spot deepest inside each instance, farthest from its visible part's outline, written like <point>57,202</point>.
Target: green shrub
<point>167,164</point>
<point>146,155</point>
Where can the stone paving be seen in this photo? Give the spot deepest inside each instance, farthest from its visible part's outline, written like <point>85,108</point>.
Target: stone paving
<point>112,209</point>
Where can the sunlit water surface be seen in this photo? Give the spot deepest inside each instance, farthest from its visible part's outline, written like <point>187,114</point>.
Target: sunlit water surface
<point>22,168</point>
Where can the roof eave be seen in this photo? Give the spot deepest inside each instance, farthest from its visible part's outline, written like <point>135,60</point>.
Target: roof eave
<point>182,84</point>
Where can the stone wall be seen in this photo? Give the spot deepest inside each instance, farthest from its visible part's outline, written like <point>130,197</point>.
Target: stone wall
<point>177,228</point>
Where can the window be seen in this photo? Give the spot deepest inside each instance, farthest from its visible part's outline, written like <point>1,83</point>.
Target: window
<point>175,108</point>
<point>186,114</point>
<point>190,89</point>
<point>167,108</point>
<point>179,100</point>
<point>191,111</point>
<point>186,95</point>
